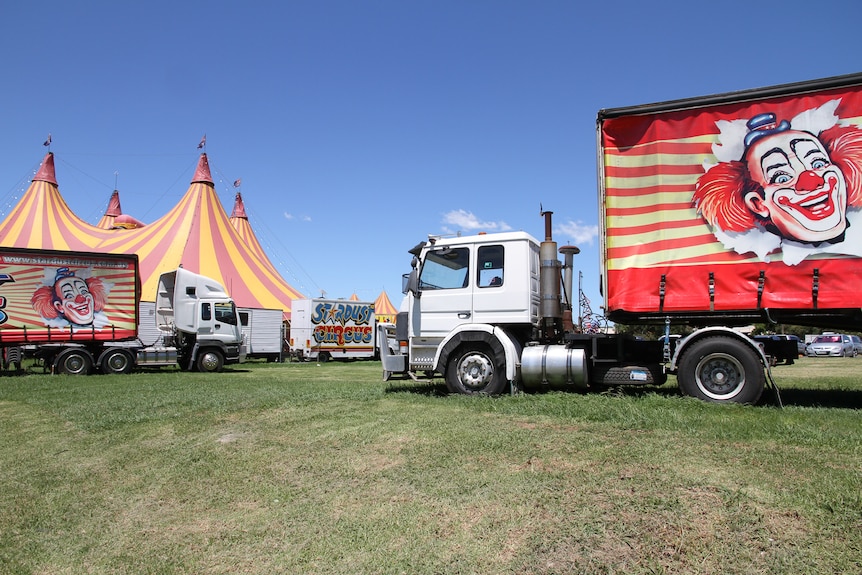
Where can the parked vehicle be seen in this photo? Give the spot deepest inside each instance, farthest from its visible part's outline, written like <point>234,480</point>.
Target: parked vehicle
<point>832,345</point>
<point>857,343</point>
<point>494,312</point>
<point>79,312</point>
<point>324,329</point>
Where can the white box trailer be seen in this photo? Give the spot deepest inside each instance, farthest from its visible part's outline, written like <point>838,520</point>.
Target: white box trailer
<point>324,329</point>
<point>263,331</point>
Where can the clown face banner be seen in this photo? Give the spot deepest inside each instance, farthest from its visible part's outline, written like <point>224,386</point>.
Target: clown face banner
<point>751,200</point>
<point>48,295</point>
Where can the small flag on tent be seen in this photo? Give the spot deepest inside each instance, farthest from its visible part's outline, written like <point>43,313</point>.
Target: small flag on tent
<point>237,183</point>
<point>48,141</point>
<point>203,142</point>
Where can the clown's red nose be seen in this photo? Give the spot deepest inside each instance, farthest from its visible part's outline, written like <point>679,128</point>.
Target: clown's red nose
<point>808,181</point>
<point>80,299</point>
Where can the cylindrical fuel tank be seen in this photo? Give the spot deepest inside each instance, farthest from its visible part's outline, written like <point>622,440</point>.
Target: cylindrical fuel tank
<point>553,365</point>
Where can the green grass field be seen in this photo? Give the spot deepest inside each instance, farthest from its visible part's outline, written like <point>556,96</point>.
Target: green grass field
<point>300,468</point>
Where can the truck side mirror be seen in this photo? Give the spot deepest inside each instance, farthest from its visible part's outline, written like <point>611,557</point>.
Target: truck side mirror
<point>412,283</point>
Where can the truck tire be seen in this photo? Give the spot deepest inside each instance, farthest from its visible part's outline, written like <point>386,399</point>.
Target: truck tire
<point>721,369</point>
<point>116,361</point>
<point>210,360</point>
<point>473,370</point>
<point>73,362</point>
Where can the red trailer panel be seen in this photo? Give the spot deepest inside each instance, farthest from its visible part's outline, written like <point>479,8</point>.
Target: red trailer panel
<point>54,296</point>
<point>734,203</point>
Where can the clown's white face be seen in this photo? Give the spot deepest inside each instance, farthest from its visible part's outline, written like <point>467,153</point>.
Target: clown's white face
<point>75,301</point>
<point>805,195</point>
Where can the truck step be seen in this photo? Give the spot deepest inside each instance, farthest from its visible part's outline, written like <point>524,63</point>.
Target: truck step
<point>628,375</point>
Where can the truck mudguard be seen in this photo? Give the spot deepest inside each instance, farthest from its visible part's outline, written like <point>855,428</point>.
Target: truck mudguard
<point>480,332</point>
<point>686,342</point>
<point>745,204</point>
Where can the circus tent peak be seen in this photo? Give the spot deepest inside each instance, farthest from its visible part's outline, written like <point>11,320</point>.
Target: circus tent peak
<point>202,173</point>
<point>46,171</point>
<point>114,208</point>
<point>111,213</point>
<point>238,207</point>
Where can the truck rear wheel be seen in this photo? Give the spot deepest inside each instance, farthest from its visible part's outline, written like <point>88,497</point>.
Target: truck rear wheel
<point>73,362</point>
<point>210,360</point>
<point>721,369</point>
<point>473,370</point>
<point>116,361</point>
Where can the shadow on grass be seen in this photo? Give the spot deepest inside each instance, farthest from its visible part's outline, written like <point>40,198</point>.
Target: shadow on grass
<point>842,398</point>
<point>829,398</point>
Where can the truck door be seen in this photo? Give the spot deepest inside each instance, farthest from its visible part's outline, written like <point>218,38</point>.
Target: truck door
<point>447,293</point>
<point>205,323</point>
<point>491,285</point>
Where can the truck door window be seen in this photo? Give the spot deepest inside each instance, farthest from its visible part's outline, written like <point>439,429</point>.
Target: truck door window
<point>445,268</point>
<point>225,312</point>
<point>490,267</point>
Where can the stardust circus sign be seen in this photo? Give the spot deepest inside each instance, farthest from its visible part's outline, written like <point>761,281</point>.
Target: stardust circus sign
<point>342,323</point>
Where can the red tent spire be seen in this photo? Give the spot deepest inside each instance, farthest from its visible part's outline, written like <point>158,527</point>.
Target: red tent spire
<point>202,174</point>
<point>114,208</point>
<point>238,208</point>
<point>46,170</point>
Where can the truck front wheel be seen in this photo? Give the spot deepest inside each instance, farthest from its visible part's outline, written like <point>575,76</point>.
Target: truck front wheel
<point>473,371</point>
<point>721,369</point>
<point>210,360</point>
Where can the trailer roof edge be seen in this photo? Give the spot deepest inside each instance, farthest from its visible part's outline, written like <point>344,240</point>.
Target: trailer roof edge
<point>737,96</point>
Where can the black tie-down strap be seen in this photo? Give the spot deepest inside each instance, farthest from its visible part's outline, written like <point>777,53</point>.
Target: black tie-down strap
<point>815,287</point>
<point>761,281</point>
<point>661,292</point>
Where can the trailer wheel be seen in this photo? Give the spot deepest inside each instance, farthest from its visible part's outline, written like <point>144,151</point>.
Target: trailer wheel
<point>473,370</point>
<point>721,369</point>
<point>73,362</point>
<point>210,360</point>
<point>116,361</point>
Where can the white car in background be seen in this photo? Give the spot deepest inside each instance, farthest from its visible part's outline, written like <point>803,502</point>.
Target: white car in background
<point>831,345</point>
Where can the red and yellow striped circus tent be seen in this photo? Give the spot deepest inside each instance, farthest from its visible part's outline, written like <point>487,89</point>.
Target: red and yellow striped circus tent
<point>198,235</point>
<point>384,311</point>
<point>43,220</point>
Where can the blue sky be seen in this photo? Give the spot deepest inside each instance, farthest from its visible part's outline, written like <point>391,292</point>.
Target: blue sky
<point>360,127</point>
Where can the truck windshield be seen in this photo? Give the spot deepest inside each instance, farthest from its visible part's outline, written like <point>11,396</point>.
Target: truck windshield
<point>445,269</point>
